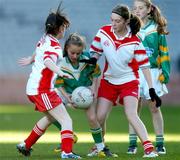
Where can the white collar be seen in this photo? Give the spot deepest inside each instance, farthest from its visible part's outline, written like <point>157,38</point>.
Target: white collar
<point>128,34</point>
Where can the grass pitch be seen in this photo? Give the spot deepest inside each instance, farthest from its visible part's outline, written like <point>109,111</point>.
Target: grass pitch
<point>17,121</point>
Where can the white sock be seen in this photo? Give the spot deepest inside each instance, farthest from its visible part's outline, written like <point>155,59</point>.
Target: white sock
<point>100,146</point>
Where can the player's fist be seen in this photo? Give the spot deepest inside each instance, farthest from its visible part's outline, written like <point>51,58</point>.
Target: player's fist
<point>92,61</point>
<point>154,97</point>
<point>64,75</point>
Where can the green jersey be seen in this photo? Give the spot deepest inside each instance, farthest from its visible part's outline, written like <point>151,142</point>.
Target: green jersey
<point>156,48</point>
<point>82,75</point>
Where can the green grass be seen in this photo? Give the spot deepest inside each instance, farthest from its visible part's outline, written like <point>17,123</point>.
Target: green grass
<point>45,152</point>
<point>22,118</point>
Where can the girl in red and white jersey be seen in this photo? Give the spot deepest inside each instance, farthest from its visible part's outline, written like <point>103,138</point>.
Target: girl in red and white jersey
<point>40,87</point>
<point>124,55</point>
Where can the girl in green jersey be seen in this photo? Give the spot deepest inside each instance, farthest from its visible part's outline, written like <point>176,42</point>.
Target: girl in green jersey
<point>153,35</point>
<point>83,74</point>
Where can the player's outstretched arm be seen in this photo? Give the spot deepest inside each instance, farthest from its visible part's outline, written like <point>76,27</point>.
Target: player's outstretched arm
<point>53,67</point>
<point>26,60</point>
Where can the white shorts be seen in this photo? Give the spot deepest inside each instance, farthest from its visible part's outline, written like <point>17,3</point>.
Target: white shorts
<point>160,88</point>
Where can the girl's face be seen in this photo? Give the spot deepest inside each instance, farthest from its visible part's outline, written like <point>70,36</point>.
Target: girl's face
<point>61,33</point>
<point>140,9</point>
<point>118,23</point>
<point>74,52</point>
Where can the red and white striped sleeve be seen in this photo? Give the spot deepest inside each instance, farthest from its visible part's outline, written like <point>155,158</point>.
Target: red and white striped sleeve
<point>96,44</point>
<point>141,56</point>
<point>52,54</point>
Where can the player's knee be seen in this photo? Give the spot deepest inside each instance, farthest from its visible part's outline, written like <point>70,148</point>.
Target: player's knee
<point>131,113</point>
<point>92,120</point>
<point>132,116</point>
<point>101,120</point>
<point>154,110</point>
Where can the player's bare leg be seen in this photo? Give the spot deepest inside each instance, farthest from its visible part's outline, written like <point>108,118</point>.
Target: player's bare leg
<point>130,107</point>
<point>158,124</point>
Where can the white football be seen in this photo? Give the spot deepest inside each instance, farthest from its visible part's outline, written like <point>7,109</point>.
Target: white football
<point>82,97</point>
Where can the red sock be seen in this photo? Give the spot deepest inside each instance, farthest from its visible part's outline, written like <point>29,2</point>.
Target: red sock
<point>148,146</point>
<point>66,141</point>
<point>35,134</point>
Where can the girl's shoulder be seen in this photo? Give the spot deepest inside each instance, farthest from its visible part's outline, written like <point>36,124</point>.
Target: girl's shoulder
<point>85,55</point>
<point>150,25</point>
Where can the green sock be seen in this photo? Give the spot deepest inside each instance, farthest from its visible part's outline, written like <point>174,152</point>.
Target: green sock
<point>97,135</point>
<point>57,125</point>
<point>159,140</point>
<point>133,140</point>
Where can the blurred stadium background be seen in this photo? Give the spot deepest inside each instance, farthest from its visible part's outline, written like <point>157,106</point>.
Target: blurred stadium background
<point>21,26</point>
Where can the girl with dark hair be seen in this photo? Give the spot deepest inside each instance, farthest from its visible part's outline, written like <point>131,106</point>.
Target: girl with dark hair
<point>124,55</point>
<point>40,87</point>
<point>153,36</point>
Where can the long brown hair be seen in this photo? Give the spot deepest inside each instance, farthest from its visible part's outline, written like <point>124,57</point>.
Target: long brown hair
<point>156,15</point>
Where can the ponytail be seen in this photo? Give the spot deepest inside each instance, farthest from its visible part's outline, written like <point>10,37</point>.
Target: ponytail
<point>156,16</point>
<point>51,24</point>
<point>135,24</point>
<point>134,21</point>
<point>161,21</point>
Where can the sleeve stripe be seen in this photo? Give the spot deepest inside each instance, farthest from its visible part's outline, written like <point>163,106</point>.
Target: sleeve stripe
<point>165,58</point>
<point>163,49</point>
<point>57,48</point>
<point>139,52</point>
<point>96,49</point>
<point>51,53</point>
<point>59,81</point>
<point>48,57</point>
<point>143,62</point>
<point>97,39</point>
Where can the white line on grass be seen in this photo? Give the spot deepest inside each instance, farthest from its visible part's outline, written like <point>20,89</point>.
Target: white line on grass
<point>83,137</point>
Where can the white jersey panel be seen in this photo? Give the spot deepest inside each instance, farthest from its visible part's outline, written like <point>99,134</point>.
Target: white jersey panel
<point>123,55</point>
<point>41,78</point>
